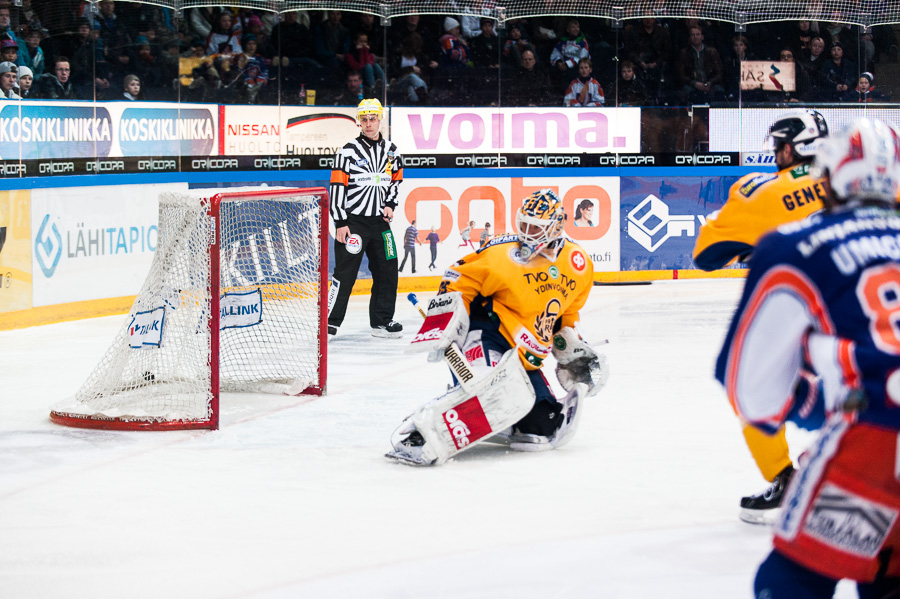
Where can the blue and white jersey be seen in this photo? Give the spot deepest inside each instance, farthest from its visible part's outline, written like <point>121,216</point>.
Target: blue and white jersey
<point>823,293</point>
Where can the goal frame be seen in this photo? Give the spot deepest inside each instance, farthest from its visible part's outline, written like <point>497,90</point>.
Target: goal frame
<point>100,421</point>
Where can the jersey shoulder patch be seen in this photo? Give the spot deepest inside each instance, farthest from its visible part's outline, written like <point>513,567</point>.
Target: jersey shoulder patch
<point>499,240</point>
<point>799,171</point>
<point>747,188</point>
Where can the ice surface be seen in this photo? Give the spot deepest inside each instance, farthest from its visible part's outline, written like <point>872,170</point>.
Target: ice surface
<point>292,498</point>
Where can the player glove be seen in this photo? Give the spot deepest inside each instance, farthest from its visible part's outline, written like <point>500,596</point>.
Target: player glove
<point>577,362</point>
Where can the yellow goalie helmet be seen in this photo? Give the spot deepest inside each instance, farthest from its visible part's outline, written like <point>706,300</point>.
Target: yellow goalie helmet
<point>539,225</point>
<point>369,106</point>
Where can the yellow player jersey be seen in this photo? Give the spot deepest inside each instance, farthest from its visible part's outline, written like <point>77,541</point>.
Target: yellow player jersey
<point>528,297</point>
<point>756,204</point>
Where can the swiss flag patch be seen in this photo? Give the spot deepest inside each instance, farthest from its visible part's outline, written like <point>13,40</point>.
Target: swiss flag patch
<point>433,327</point>
<point>467,422</point>
<point>578,260</point>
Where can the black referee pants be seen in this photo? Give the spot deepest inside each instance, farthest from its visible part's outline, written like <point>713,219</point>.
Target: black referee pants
<point>379,247</point>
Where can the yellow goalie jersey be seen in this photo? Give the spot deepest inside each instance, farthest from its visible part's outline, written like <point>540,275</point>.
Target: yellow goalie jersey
<point>757,203</point>
<point>527,297</point>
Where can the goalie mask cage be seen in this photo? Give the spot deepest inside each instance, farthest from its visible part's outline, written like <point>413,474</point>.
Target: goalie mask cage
<point>235,301</point>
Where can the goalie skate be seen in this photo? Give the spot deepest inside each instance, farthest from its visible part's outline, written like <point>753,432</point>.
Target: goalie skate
<point>409,450</point>
<point>571,415</point>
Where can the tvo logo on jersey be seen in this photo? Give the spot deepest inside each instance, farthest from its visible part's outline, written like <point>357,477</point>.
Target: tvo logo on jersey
<point>48,247</point>
<point>650,224</point>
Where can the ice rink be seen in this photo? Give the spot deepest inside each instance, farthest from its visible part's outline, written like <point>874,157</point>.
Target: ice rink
<point>292,498</point>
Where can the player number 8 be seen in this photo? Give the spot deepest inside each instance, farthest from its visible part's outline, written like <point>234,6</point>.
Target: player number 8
<point>878,292</point>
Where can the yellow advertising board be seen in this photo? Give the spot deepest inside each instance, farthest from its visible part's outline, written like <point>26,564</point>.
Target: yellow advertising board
<point>15,250</point>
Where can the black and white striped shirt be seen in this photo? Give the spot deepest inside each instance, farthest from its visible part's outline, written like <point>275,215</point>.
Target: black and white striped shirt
<point>366,178</point>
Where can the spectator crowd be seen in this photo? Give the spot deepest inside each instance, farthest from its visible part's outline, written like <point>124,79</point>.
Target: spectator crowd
<point>70,49</point>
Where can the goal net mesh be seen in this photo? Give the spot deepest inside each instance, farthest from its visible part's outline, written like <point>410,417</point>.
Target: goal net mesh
<point>861,12</point>
<point>159,365</point>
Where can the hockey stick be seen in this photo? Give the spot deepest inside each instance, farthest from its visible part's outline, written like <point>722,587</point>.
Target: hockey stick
<point>415,302</point>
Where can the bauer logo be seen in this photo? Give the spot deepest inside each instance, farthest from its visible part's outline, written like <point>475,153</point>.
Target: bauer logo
<point>467,422</point>
<point>48,247</point>
<point>650,223</point>
<point>240,310</point>
<point>166,132</point>
<point>145,329</point>
<point>29,131</point>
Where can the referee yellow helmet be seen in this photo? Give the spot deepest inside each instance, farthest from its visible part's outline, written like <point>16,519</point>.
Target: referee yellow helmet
<point>369,106</point>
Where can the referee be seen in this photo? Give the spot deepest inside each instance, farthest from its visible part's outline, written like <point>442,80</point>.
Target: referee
<point>364,185</point>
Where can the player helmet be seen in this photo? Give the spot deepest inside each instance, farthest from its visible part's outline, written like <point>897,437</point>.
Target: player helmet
<point>862,162</point>
<point>369,106</point>
<point>539,224</point>
<point>803,129</point>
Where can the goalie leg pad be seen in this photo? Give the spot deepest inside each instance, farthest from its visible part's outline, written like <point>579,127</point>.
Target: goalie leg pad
<point>465,417</point>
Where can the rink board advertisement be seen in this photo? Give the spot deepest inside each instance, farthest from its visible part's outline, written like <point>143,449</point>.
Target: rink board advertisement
<point>92,242</point>
<point>58,130</point>
<point>502,130</point>
<point>660,218</point>
<point>745,129</point>
<point>15,250</point>
<point>286,130</point>
<point>449,205</point>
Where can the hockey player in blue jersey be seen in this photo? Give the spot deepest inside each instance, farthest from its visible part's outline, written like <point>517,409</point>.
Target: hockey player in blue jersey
<point>824,293</point>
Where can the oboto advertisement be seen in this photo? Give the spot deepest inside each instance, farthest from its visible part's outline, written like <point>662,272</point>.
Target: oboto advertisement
<point>15,251</point>
<point>516,130</point>
<point>448,207</point>
<point>92,242</point>
<point>31,130</point>
<point>286,130</point>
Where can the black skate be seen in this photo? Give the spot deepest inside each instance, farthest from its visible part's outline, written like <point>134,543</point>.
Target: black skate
<point>763,508</point>
<point>391,330</point>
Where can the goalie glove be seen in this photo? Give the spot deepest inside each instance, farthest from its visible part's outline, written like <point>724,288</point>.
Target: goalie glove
<point>446,321</point>
<point>577,362</point>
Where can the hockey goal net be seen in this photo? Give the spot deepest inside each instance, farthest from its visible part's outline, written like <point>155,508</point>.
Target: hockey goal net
<point>234,301</point>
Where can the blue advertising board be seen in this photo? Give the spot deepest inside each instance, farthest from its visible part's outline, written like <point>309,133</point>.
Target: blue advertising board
<point>29,131</point>
<point>660,218</point>
<point>150,131</point>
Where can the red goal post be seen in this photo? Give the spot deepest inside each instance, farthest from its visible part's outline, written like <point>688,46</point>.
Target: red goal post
<point>235,301</point>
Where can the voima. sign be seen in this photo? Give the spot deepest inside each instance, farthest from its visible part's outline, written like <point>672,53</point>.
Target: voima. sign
<point>544,130</point>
